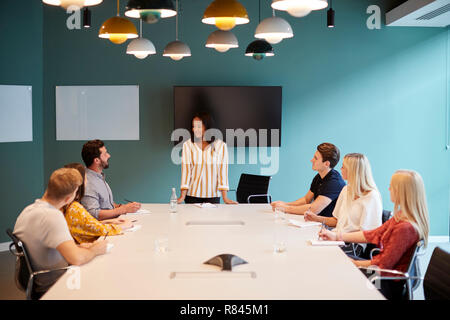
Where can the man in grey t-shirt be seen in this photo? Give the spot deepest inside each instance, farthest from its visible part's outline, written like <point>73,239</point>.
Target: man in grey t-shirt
<point>98,199</point>
<point>43,229</point>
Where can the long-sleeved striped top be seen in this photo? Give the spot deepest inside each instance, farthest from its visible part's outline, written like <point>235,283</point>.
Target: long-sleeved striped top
<point>204,173</point>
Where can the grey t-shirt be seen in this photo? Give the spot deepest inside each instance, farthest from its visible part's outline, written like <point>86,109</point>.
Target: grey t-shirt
<point>97,194</point>
<point>42,227</point>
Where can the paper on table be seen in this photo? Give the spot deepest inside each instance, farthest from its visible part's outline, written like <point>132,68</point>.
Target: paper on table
<point>302,224</point>
<point>109,246</point>
<point>141,211</point>
<point>135,228</point>
<point>326,243</point>
<point>205,205</point>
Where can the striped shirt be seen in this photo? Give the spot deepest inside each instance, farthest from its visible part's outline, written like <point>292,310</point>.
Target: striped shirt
<point>204,173</point>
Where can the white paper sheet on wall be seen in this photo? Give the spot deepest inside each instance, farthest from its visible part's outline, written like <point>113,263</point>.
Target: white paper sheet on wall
<point>97,112</point>
<point>16,113</point>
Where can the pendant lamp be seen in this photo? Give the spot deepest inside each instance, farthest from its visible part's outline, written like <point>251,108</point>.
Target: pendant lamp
<point>259,49</point>
<point>118,29</point>
<point>225,14</point>
<point>330,16</point>
<point>222,41</point>
<point>86,18</point>
<point>141,47</point>
<point>177,50</point>
<point>150,11</point>
<point>299,8</point>
<point>274,29</point>
<point>67,3</point>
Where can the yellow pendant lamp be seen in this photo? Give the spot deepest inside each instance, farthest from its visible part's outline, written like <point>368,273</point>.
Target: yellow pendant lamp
<point>225,14</point>
<point>118,29</point>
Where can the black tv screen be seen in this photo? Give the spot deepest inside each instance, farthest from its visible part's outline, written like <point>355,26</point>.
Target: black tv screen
<point>249,108</point>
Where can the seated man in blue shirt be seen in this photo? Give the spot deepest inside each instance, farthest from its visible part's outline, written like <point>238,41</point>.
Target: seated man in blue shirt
<point>98,198</point>
<point>325,187</point>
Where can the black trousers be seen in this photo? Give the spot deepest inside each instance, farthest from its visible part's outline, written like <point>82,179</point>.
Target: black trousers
<point>190,199</point>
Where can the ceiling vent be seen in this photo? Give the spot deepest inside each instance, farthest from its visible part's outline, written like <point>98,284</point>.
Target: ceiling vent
<point>420,13</point>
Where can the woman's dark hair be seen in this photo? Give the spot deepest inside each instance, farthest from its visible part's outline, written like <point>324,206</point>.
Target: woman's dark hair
<point>91,150</point>
<point>329,153</point>
<point>82,171</point>
<point>207,121</point>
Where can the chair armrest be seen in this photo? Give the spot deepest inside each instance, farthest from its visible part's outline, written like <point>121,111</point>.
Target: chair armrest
<point>260,195</point>
<point>49,271</point>
<point>385,270</point>
<point>373,251</point>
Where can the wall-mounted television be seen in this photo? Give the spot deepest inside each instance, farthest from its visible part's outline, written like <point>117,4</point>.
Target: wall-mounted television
<point>250,108</point>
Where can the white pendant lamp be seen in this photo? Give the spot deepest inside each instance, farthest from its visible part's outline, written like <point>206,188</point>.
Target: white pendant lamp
<point>222,41</point>
<point>274,29</point>
<point>141,47</point>
<point>177,50</point>
<point>299,8</point>
<point>67,3</point>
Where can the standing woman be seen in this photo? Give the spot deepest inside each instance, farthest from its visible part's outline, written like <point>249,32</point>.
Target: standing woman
<point>204,167</point>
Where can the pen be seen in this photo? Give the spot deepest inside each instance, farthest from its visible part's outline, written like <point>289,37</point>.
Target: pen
<point>321,228</point>
<point>106,236</point>
<point>127,200</point>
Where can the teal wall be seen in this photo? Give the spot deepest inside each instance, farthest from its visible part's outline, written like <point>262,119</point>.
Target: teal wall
<point>379,92</point>
<point>22,166</point>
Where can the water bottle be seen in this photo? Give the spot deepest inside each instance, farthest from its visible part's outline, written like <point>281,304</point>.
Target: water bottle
<point>173,201</point>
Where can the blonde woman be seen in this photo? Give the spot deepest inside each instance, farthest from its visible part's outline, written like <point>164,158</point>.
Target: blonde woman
<point>398,236</point>
<point>359,205</point>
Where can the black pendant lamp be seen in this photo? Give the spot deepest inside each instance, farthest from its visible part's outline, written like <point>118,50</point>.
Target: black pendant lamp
<point>330,16</point>
<point>150,11</point>
<point>86,18</point>
<point>260,48</point>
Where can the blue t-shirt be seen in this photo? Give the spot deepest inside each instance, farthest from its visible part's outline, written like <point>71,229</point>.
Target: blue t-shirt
<point>330,186</point>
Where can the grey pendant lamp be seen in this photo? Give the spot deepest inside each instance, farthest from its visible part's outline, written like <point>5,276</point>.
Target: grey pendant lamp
<point>177,50</point>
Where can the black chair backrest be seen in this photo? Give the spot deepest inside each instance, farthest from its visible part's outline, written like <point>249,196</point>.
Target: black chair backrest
<point>436,285</point>
<point>250,184</point>
<point>23,266</point>
<point>386,216</point>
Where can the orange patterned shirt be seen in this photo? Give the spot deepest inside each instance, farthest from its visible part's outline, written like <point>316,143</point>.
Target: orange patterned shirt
<point>84,227</point>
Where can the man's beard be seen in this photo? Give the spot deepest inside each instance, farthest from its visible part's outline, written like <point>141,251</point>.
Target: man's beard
<point>105,165</point>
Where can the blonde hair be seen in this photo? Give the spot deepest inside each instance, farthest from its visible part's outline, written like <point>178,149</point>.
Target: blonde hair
<point>62,183</point>
<point>410,199</point>
<point>359,176</point>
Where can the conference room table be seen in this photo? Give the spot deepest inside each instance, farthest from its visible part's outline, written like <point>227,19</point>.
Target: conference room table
<point>134,269</point>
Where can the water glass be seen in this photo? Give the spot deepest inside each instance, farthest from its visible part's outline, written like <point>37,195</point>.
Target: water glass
<point>161,244</point>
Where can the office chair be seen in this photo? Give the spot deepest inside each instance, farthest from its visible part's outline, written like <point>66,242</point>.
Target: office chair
<point>253,189</point>
<point>386,215</point>
<point>412,275</point>
<point>24,274</point>
<point>436,284</point>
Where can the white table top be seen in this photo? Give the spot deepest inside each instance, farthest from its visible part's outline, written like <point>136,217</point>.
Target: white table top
<point>134,270</point>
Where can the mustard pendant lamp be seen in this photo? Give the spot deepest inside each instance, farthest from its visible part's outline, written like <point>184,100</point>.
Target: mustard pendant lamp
<point>150,11</point>
<point>118,29</point>
<point>177,50</point>
<point>67,3</point>
<point>225,14</point>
